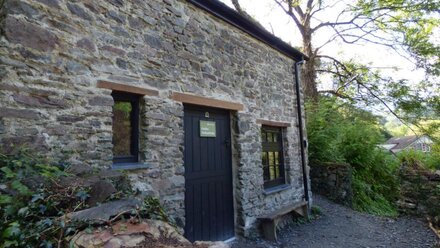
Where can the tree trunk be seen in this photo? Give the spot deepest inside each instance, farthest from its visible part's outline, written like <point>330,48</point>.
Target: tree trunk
<point>308,71</point>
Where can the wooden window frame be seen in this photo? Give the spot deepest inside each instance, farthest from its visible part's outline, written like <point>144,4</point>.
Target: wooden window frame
<point>277,146</point>
<point>134,120</point>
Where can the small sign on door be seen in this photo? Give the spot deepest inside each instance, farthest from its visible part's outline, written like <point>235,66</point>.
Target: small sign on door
<point>207,129</point>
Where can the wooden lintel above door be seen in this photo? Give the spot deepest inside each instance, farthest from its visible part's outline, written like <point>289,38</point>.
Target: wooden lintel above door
<point>126,88</point>
<point>206,101</point>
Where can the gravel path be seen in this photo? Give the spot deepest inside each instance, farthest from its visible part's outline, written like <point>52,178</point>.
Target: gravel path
<point>339,226</point>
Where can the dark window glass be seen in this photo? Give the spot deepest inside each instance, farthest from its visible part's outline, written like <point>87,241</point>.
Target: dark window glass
<point>125,128</point>
<point>272,156</point>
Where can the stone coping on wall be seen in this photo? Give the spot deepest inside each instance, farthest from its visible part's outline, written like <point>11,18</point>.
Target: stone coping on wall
<point>205,101</point>
<point>126,88</point>
<point>273,123</point>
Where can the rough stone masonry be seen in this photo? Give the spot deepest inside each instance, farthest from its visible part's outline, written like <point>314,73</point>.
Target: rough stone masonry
<point>54,52</point>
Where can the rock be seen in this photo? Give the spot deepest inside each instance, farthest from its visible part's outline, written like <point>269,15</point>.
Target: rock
<point>50,3</point>
<point>209,244</point>
<point>101,101</point>
<point>19,113</point>
<point>147,233</point>
<point>96,239</point>
<point>167,231</point>
<point>34,182</point>
<point>121,63</point>
<point>29,35</point>
<point>153,41</point>
<point>408,205</point>
<point>115,16</point>
<point>143,188</point>
<point>19,7</point>
<point>39,101</point>
<point>76,68</point>
<point>78,11</point>
<point>136,23</point>
<point>114,50</point>
<point>70,118</point>
<point>100,191</point>
<point>80,170</point>
<point>105,211</point>
<point>117,3</point>
<point>11,144</point>
<point>177,181</point>
<point>12,62</point>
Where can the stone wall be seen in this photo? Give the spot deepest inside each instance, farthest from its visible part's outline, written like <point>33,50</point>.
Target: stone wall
<point>334,181</point>
<point>419,192</point>
<point>53,52</point>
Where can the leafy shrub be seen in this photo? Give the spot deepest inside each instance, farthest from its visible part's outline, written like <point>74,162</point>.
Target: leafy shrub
<point>152,209</point>
<point>32,203</point>
<point>427,160</point>
<point>340,132</point>
<point>36,195</point>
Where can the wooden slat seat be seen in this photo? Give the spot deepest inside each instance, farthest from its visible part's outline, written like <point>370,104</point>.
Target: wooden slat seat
<point>270,221</point>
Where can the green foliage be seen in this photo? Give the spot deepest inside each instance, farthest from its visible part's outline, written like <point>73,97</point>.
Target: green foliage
<point>31,203</point>
<point>413,23</point>
<point>340,132</point>
<point>316,210</point>
<point>34,202</point>
<point>429,160</point>
<point>152,209</point>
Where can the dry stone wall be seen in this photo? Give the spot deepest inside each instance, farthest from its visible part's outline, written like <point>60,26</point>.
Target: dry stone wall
<point>53,52</point>
<point>333,180</point>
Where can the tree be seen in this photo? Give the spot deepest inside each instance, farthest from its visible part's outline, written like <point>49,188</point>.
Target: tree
<point>405,26</point>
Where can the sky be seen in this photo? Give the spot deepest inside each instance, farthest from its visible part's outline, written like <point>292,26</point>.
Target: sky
<point>276,21</point>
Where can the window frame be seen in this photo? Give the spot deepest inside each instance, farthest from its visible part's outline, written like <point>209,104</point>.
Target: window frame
<point>277,146</point>
<point>134,120</point>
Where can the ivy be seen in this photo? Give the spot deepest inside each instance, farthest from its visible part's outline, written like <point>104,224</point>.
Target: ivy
<point>34,202</point>
<point>32,212</point>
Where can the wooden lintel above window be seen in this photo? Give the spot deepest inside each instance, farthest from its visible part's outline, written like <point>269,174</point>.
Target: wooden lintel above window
<point>127,88</point>
<point>273,123</point>
<point>206,101</point>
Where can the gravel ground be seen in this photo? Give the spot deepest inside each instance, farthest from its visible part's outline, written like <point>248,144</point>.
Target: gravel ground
<point>339,226</point>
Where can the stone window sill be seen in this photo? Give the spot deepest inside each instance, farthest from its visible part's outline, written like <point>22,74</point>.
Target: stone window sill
<point>130,166</point>
<point>276,189</point>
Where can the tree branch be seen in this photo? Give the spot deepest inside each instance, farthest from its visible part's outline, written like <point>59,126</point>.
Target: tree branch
<point>242,12</point>
<point>289,12</point>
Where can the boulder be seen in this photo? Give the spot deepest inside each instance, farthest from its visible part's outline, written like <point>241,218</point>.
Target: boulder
<point>105,211</point>
<point>100,191</point>
<point>146,234</point>
<point>210,244</point>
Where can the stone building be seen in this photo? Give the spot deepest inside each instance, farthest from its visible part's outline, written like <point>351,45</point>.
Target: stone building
<point>194,101</point>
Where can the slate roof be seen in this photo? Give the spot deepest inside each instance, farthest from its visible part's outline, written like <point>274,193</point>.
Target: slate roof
<point>402,142</point>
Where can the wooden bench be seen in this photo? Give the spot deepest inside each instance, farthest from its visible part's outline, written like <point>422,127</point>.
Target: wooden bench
<point>270,221</point>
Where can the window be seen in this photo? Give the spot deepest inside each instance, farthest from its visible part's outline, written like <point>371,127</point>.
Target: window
<point>272,156</point>
<point>125,128</point>
<point>426,147</point>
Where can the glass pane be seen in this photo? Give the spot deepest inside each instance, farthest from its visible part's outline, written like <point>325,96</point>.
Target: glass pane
<point>266,173</point>
<point>269,137</point>
<point>271,159</point>
<point>122,128</point>
<point>277,158</point>
<point>275,137</point>
<point>272,172</point>
<point>277,171</point>
<point>264,158</point>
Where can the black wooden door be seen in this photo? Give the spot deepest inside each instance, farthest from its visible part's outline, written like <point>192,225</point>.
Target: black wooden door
<point>208,175</point>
